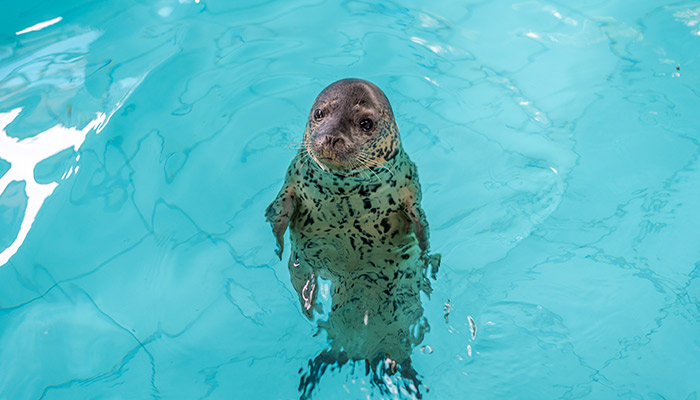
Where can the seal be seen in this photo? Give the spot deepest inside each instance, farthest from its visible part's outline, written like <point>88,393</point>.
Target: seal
<point>351,199</point>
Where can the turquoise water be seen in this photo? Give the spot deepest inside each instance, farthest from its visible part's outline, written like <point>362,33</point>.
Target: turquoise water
<point>559,153</point>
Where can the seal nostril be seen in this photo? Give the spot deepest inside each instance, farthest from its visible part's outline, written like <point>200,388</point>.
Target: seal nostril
<point>333,141</point>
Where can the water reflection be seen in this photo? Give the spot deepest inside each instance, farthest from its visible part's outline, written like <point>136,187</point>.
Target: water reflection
<point>56,86</point>
<point>24,155</point>
<point>39,26</point>
<point>374,321</point>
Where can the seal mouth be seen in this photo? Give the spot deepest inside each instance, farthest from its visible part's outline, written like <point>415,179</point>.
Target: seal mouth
<point>353,167</point>
<point>330,161</point>
<point>333,157</point>
<point>355,170</point>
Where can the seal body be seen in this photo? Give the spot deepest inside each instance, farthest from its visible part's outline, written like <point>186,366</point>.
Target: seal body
<point>356,233</point>
<point>351,199</point>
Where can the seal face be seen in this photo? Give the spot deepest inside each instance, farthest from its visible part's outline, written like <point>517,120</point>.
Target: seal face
<point>350,126</point>
<point>351,199</point>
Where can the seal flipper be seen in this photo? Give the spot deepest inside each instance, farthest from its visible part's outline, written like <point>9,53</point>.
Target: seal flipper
<point>305,282</point>
<point>278,214</point>
<point>410,196</point>
<point>419,224</point>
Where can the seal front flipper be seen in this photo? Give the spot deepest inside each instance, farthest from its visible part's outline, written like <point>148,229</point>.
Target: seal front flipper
<point>305,282</point>
<point>418,223</point>
<point>278,214</point>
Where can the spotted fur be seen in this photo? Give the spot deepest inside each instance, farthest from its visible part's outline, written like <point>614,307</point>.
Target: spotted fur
<point>365,232</point>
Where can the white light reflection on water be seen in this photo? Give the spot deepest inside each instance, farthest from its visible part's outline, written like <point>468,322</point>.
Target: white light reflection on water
<point>24,155</point>
<point>40,26</point>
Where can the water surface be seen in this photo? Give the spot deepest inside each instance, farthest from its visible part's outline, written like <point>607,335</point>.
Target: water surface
<point>558,151</point>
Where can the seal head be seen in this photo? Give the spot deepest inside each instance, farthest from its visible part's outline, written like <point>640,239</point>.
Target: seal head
<point>351,126</point>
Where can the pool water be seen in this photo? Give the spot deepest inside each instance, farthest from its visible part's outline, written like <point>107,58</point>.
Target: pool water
<point>558,149</point>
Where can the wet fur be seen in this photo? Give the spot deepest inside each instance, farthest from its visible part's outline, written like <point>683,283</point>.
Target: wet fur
<point>357,222</point>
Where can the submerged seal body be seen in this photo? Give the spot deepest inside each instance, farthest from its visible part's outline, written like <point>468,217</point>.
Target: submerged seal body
<point>351,199</point>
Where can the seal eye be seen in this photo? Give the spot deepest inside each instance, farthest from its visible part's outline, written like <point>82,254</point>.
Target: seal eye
<point>318,114</point>
<point>366,124</point>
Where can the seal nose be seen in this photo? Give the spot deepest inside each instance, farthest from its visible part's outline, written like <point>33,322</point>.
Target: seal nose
<point>332,141</point>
